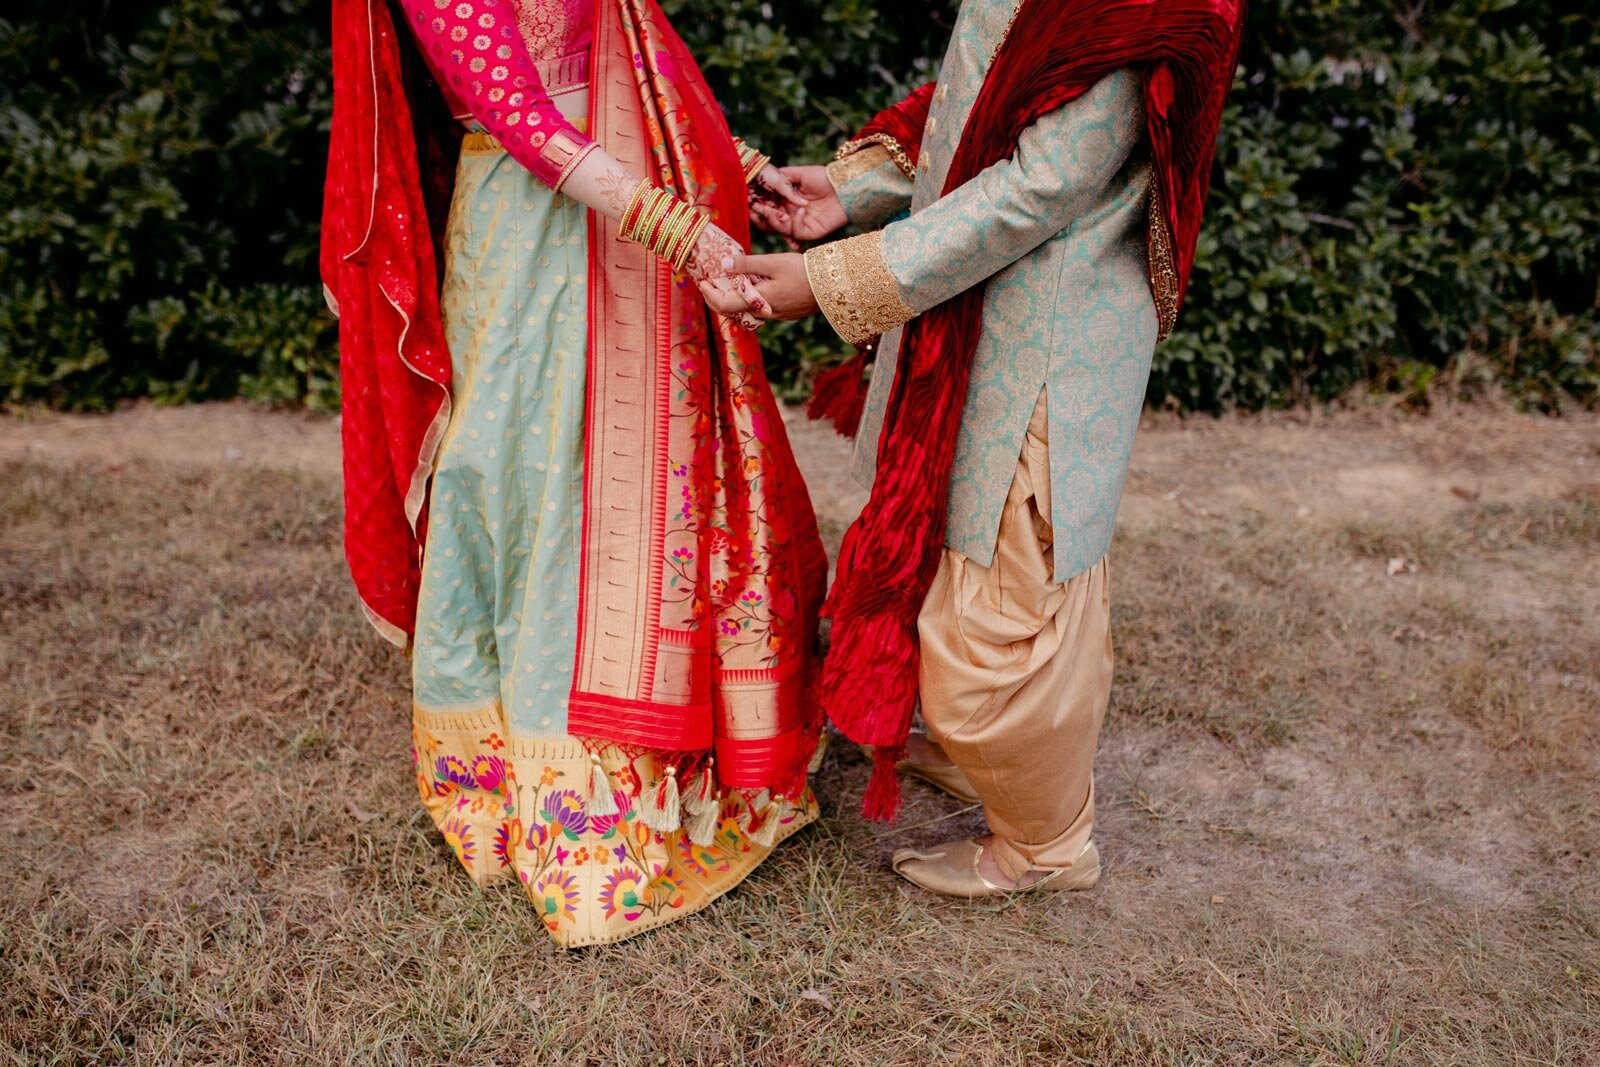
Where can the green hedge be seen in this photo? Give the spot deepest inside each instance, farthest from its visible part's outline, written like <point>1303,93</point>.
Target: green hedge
<point>1406,195</point>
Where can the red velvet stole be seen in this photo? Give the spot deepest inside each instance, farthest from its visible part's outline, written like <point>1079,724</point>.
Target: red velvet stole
<point>1056,50</point>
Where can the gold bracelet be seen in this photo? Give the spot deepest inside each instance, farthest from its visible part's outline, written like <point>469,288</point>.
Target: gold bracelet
<point>672,231</point>
<point>679,253</point>
<point>650,220</point>
<point>691,239</point>
<point>639,192</point>
<point>751,159</point>
<point>664,224</point>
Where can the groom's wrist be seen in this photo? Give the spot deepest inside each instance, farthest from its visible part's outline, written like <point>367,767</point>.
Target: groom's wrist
<point>855,289</point>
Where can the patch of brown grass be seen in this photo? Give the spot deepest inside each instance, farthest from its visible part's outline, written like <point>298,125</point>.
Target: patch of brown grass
<point>1326,844</point>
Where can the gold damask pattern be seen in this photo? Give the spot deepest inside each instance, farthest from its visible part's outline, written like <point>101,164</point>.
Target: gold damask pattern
<point>855,288</point>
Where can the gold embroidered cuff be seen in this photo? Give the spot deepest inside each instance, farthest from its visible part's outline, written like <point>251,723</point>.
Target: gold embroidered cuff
<point>572,165</point>
<point>845,169</point>
<point>855,288</point>
<point>897,152</point>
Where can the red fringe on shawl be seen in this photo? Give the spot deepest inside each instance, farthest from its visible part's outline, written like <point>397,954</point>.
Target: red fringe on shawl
<point>1055,52</point>
<point>840,394</point>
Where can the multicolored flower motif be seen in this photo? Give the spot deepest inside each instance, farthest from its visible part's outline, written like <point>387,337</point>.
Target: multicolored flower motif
<point>458,835</point>
<point>606,825</point>
<point>625,891</point>
<point>489,772</point>
<point>701,860</point>
<point>556,894</point>
<point>565,809</point>
<point>505,839</point>
<point>452,770</point>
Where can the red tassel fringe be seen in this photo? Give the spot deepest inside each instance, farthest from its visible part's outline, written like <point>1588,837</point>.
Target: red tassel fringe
<point>882,800</point>
<point>840,394</point>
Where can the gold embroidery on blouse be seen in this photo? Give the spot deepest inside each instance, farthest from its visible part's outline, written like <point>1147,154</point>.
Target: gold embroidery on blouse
<point>897,153</point>
<point>544,25</point>
<point>1163,267</point>
<point>855,288</point>
<point>846,169</point>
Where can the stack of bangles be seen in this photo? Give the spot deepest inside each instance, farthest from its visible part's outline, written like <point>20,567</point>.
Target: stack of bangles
<point>751,160</point>
<point>663,224</point>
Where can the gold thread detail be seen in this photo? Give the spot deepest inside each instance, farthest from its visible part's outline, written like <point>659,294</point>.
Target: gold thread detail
<point>846,169</point>
<point>901,158</point>
<point>1163,266</point>
<point>855,288</point>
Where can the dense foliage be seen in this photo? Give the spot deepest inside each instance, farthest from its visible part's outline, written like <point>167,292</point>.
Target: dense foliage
<point>1407,194</point>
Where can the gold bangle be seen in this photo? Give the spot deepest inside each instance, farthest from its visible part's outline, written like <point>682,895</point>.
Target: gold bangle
<point>755,165</point>
<point>691,239</point>
<point>671,230</point>
<point>677,250</point>
<point>639,192</point>
<point>660,203</point>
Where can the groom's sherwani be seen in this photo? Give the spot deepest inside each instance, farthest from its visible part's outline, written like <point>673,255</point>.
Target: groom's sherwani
<point>1014,634</point>
<point>1059,232</point>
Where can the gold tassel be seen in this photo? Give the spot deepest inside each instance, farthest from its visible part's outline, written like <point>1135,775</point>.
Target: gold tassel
<point>704,806</point>
<point>766,835</point>
<point>701,826</point>
<point>704,794</point>
<point>602,800</point>
<point>660,808</point>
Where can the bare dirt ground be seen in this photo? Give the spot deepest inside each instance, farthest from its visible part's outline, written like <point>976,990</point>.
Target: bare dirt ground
<point>1347,789</point>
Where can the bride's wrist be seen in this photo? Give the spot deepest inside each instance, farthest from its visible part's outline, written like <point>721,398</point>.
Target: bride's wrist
<point>664,224</point>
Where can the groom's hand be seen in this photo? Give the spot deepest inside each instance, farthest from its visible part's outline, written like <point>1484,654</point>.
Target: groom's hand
<point>780,281</point>
<point>783,284</point>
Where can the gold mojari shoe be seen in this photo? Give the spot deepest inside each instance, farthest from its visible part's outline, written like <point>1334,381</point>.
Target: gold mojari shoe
<point>948,779</point>
<point>952,870</point>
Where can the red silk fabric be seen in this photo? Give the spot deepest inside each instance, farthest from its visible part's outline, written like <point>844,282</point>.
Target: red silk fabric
<point>1055,52</point>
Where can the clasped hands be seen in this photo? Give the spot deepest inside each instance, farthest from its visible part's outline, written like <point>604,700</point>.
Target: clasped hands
<point>802,206</point>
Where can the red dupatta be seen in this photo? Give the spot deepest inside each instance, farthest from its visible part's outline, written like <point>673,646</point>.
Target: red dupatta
<point>1055,51</point>
<point>702,568</point>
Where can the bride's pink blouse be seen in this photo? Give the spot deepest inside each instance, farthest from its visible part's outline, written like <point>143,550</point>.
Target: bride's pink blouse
<point>501,61</point>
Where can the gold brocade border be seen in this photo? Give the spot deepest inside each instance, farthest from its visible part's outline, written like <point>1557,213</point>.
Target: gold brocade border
<point>896,151</point>
<point>843,171</point>
<point>855,288</point>
<point>1163,268</point>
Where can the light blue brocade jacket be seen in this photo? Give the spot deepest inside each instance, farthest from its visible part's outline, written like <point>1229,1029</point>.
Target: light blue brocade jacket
<point>1059,231</point>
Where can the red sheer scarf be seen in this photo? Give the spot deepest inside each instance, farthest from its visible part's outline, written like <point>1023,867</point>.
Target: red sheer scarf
<point>1055,51</point>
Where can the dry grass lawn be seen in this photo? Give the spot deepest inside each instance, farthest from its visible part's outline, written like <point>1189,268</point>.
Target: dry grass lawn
<point>1348,795</point>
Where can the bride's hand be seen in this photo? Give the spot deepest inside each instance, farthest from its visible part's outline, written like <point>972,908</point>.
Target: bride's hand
<point>774,201</point>
<point>705,266</point>
<point>821,214</point>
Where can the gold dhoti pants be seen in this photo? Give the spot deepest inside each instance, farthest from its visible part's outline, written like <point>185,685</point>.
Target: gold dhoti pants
<point>1016,674</point>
